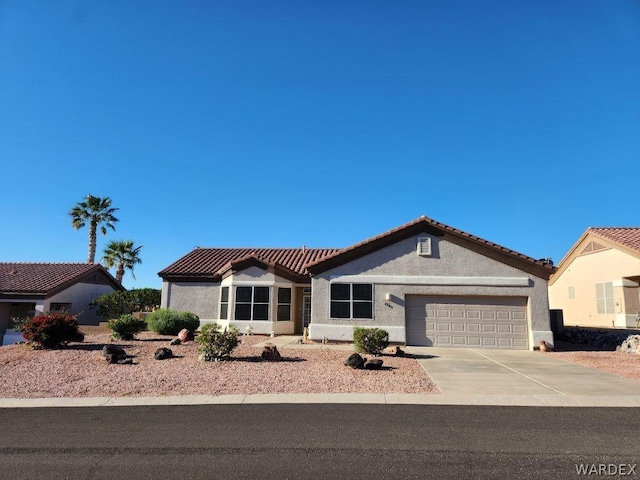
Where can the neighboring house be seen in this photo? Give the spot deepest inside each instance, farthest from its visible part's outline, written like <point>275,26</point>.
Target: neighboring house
<point>27,289</point>
<point>425,283</point>
<point>596,283</point>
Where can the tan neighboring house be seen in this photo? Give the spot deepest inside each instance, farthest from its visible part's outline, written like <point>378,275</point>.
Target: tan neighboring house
<point>28,289</point>
<point>596,284</point>
<point>424,282</point>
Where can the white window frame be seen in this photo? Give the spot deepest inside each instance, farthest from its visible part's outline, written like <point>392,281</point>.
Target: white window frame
<point>423,247</point>
<point>605,304</point>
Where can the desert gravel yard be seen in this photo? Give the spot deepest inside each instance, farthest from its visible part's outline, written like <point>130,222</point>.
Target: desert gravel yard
<point>80,370</point>
<point>622,364</point>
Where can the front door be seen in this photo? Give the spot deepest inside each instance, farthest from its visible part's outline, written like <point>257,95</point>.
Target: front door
<point>306,310</point>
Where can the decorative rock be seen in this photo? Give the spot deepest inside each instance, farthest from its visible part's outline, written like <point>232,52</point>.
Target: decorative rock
<point>373,364</point>
<point>394,350</point>
<point>185,335</point>
<point>111,358</point>
<point>125,361</point>
<point>631,345</point>
<point>271,353</point>
<point>112,350</point>
<point>355,361</point>
<point>163,353</point>
<point>176,341</point>
<point>544,346</point>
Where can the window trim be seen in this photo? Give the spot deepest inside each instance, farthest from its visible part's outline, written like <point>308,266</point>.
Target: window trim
<point>351,301</point>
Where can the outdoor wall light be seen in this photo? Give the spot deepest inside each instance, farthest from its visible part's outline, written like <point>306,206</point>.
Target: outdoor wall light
<point>387,297</point>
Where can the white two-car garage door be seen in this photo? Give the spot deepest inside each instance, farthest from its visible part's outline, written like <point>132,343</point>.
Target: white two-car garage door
<point>446,321</point>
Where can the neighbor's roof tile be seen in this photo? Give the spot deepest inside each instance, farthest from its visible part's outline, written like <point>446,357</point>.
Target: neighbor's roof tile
<point>40,278</point>
<point>626,236</point>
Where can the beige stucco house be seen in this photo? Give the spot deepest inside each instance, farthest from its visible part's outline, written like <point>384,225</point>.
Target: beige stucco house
<point>424,282</point>
<point>596,284</point>
<point>28,289</point>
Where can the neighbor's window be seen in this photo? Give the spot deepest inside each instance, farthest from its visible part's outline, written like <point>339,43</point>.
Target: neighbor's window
<point>284,304</point>
<point>224,303</point>
<point>351,300</point>
<point>572,293</point>
<point>59,307</point>
<point>604,298</point>
<point>252,303</point>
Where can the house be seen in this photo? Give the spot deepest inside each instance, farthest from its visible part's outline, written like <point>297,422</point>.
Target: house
<point>27,289</point>
<point>596,283</point>
<point>424,282</point>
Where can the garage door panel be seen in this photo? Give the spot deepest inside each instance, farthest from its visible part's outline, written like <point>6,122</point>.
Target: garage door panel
<point>491,322</point>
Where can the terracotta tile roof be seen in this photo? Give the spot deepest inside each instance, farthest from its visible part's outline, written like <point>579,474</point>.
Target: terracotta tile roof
<point>411,228</point>
<point>41,278</point>
<point>626,236</point>
<point>212,262</point>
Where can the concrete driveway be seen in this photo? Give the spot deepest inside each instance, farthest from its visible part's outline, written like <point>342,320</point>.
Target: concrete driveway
<point>466,371</point>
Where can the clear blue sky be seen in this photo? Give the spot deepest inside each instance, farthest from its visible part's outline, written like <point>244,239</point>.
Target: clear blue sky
<point>283,123</point>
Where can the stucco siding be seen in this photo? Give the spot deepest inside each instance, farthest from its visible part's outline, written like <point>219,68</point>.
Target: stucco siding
<point>80,297</point>
<point>582,274</point>
<point>201,298</point>
<point>463,272</point>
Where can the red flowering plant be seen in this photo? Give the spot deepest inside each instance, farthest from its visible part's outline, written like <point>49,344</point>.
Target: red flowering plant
<point>51,330</point>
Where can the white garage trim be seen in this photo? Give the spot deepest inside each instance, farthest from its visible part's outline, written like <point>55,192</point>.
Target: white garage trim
<point>467,321</point>
<point>431,280</point>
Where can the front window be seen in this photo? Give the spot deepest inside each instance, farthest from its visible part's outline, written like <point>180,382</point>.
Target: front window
<point>604,298</point>
<point>252,303</point>
<point>284,304</point>
<point>224,303</point>
<point>351,300</point>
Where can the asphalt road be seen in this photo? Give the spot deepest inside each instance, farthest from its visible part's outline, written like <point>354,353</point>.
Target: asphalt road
<point>315,441</point>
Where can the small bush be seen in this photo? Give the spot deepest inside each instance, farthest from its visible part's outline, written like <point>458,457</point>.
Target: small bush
<point>125,327</point>
<point>51,330</point>
<point>169,322</point>
<point>370,340</point>
<point>216,344</point>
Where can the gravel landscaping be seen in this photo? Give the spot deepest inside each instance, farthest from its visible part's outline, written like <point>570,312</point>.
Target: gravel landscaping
<point>622,364</point>
<point>80,370</point>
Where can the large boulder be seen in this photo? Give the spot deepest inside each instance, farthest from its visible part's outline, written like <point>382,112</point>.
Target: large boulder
<point>270,353</point>
<point>163,353</point>
<point>631,345</point>
<point>355,361</point>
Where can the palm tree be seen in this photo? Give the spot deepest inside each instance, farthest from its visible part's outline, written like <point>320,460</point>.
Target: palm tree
<point>122,255</point>
<point>99,213</point>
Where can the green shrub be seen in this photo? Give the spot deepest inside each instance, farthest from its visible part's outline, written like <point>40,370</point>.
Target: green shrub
<point>51,330</point>
<point>114,304</point>
<point>169,322</point>
<point>216,344</point>
<point>125,327</point>
<point>370,340</point>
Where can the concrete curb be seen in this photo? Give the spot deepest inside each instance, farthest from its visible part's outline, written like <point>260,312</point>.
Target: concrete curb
<point>335,398</point>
